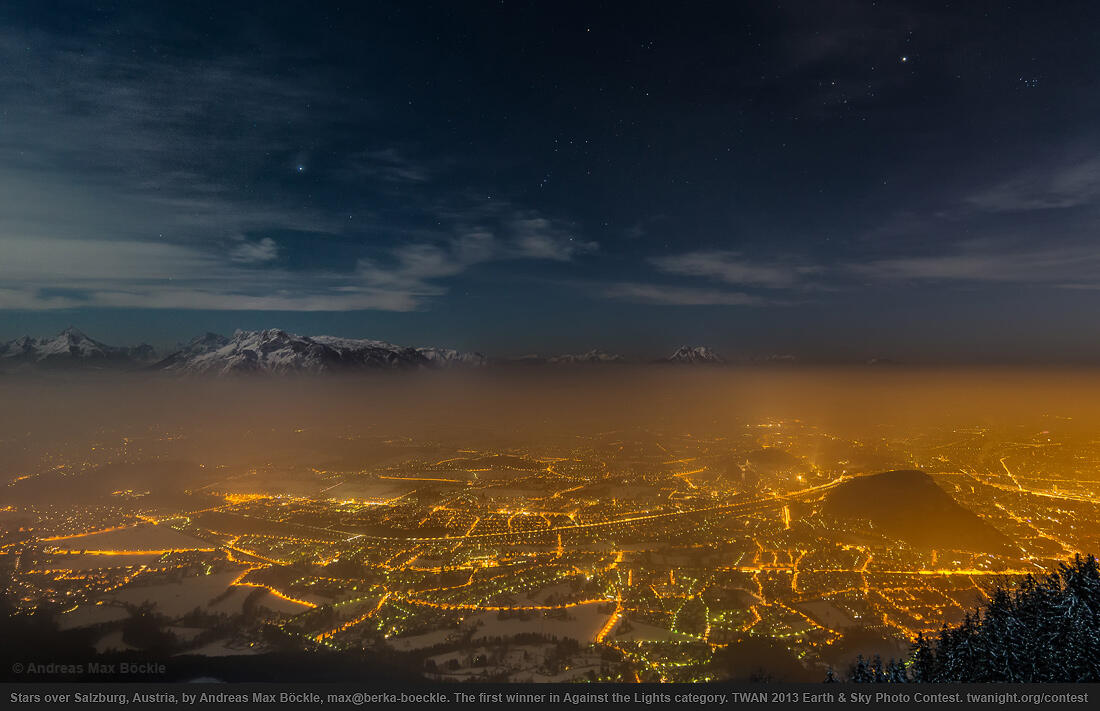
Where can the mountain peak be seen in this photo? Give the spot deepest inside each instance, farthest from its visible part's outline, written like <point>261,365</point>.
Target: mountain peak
<point>694,355</point>
<point>74,333</point>
<point>210,337</point>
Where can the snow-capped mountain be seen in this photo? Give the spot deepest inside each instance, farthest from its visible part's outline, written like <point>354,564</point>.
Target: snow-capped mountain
<point>71,347</point>
<point>594,356</point>
<point>206,343</point>
<point>269,351</point>
<point>448,357</point>
<point>277,351</point>
<point>695,355</point>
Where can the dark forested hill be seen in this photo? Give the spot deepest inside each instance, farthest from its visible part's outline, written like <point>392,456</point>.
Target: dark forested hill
<point>909,505</point>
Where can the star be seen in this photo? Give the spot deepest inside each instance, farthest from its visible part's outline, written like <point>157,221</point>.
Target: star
<point>904,59</point>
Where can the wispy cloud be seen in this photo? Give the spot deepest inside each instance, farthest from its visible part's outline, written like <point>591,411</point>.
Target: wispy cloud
<point>248,252</point>
<point>536,237</point>
<point>1059,185</point>
<point>500,233</point>
<point>733,268</point>
<point>1048,265</point>
<point>1006,259</point>
<point>54,273</point>
<point>165,182</point>
<point>47,274</point>
<point>679,296</point>
<point>213,299</point>
<point>387,165</point>
<point>416,268</point>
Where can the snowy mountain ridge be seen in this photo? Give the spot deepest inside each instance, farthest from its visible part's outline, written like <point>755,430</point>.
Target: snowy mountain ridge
<point>71,347</point>
<point>277,351</point>
<point>281,352</point>
<point>695,355</point>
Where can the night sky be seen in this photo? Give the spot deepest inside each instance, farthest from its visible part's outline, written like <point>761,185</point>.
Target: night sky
<point>834,180</point>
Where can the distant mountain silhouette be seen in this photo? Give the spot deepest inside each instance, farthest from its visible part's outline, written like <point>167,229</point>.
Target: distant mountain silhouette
<point>907,504</point>
<point>773,459</point>
<point>694,355</point>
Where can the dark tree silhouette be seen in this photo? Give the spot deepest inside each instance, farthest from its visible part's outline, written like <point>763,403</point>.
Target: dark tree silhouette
<point>1044,630</point>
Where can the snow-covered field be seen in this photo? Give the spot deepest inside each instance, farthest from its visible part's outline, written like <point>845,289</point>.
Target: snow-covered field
<point>419,641</point>
<point>88,615</point>
<point>827,613</point>
<point>582,623</point>
<point>221,648</point>
<point>204,591</point>
<point>143,537</point>
<point>94,562</point>
<point>176,599</point>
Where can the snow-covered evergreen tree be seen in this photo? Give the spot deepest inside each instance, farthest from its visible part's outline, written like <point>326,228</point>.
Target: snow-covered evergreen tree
<point>1045,630</point>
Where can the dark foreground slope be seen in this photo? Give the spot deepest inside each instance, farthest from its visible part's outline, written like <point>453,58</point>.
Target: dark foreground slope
<point>1042,631</point>
<point>34,649</point>
<point>908,505</point>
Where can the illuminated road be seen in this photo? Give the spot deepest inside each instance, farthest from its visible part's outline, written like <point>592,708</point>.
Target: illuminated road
<point>778,501</point>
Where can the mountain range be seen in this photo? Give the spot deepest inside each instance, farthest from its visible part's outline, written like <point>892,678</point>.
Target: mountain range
<point>72,347</point>
<point>278,351</point>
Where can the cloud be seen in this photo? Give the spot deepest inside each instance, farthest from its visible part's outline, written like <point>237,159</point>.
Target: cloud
<point>65,272</point>
<point>414,267</point>
<point>679,296</point>
<point>120,176</point>
<point>730,267</point>
<point>388,165</point>
<point>58,273</point>
<point>1052,265</point>
<point>43,274</point>
<point>418,267</point>
<point>1051,187</point>
<point>539,238</point>
<point>263,250</point>
<point>146,182</point>
<point>57,261</point>
<point>212,298</point>
<point>1003,259</point>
